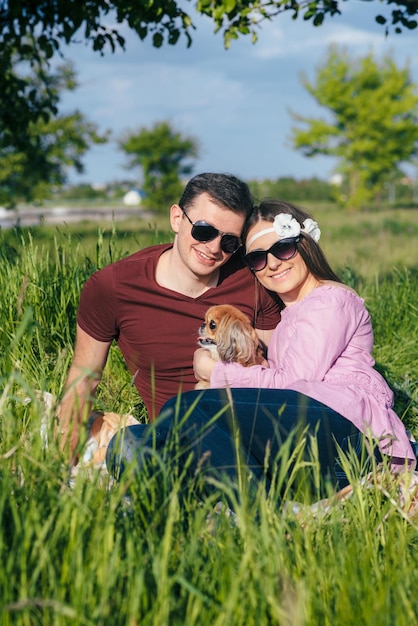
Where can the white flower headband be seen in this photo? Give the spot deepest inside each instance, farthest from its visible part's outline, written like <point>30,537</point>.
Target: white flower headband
<point>285,226</point>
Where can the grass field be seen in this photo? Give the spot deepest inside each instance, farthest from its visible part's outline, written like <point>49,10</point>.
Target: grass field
<point>153,552</point>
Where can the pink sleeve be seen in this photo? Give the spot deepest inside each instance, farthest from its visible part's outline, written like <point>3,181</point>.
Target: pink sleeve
<point>323,329</point>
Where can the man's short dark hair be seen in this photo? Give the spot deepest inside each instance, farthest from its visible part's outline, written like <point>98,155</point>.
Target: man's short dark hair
<point>224,190</point>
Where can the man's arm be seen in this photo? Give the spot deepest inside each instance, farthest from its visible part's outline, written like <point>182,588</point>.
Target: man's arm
<point>86,369</point>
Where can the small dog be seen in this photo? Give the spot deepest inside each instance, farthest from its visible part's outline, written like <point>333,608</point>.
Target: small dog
<point>228,335</point>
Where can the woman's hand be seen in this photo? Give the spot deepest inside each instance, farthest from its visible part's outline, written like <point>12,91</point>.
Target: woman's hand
<point>203,364</point>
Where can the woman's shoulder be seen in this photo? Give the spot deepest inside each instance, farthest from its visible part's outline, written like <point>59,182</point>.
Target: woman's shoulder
<point>330,303</point>
<point>331,294</point>
<point>336,285</point>
<point>329,291</point>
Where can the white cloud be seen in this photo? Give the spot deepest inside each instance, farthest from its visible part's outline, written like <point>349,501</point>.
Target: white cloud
<point>300,40</point>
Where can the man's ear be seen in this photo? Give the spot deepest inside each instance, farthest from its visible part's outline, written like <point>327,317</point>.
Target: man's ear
<point>176,215</point>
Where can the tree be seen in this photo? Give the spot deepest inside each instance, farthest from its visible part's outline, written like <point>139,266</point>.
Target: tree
<point>162,154</point>
<point>36,30</point>
<point>35,159</point>
<point>56,21</point>
<point>374,121</point>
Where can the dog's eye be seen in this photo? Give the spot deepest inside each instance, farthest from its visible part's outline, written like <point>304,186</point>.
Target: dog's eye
<point>212,325</point>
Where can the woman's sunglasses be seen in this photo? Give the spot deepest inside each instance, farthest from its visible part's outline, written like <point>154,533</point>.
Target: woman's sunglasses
<point>201,231</point>
<point>283,250</point>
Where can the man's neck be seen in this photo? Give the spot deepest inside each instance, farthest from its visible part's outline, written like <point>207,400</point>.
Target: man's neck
<point>171,274</point>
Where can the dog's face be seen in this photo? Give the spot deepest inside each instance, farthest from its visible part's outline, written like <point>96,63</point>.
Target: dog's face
<point>228,334</point>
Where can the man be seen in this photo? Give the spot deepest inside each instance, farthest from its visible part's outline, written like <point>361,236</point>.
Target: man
<point>153,302</point>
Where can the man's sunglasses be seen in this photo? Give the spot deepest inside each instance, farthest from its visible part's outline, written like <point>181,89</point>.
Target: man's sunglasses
<point>283,250</point>
<point>201,231</point>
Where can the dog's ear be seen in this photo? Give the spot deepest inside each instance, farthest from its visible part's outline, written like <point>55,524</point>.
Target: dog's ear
<point>237,342</point>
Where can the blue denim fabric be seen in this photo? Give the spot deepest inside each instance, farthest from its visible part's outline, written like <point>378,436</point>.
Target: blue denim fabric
<point>264,419</point>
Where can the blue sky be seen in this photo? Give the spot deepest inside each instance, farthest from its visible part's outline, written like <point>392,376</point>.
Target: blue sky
<point>236,102</point>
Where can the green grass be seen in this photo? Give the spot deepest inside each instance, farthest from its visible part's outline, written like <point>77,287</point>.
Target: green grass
<point>142,552</point>
<point>371,244</point>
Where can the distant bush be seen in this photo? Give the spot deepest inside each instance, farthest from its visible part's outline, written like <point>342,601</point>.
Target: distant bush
<point>298,191</point>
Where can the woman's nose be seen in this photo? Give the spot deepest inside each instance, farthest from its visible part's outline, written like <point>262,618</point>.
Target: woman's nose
<point>273,261</point>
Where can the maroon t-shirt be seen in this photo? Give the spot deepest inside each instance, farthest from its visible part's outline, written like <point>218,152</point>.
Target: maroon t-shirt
<point>156,328</point>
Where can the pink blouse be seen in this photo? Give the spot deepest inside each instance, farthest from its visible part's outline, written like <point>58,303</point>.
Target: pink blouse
<point>322,348</point>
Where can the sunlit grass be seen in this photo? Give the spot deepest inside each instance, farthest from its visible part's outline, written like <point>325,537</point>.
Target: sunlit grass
<point>371,243</point>
<point>151,551</point>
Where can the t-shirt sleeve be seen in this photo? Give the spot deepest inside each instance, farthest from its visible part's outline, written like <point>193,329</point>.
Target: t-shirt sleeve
<point>96,312</point>
<point>323,329</point>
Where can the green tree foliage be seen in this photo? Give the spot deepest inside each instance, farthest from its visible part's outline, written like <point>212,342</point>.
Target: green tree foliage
<point>57,21</point>
<point>164,156</point>
<point>35,159</point>
<point>243,16</point>
<point>38,30</point>
<point>373,125</point>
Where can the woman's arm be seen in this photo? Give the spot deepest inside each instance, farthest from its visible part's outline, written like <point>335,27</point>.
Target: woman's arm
<point>318,335</point>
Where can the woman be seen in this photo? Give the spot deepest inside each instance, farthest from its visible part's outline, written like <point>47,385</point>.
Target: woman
<point>320,377</point>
